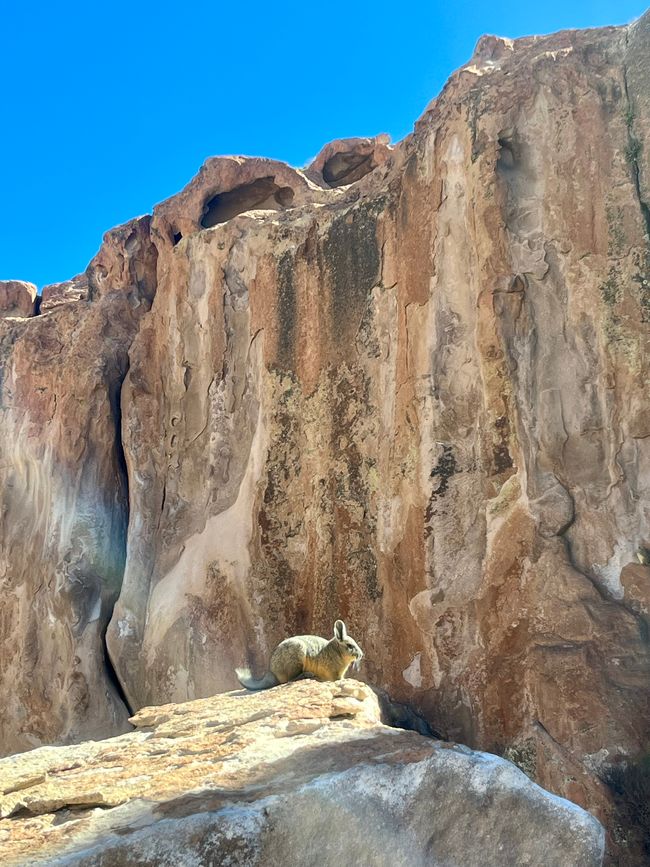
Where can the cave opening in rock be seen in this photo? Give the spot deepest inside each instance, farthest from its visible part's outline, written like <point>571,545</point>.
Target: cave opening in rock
<point>398,715</point>
<point>506,159</point>
<point>177,236</point>
<point>260,194</point>
<point>284,196</point>
<point>347,167</point>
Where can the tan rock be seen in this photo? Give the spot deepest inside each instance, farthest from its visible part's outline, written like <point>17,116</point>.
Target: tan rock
<point>63,492</point>
<point>57,294</point>
<point>304,773</point>
<point>417,401</point>
<point>17,298</point>
<point>347,160</point>
<point>226,187</point>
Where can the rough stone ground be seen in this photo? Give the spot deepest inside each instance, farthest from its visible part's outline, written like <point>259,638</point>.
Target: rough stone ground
<point>301,774</point>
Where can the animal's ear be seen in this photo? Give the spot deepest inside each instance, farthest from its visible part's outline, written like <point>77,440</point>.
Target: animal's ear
<point>340,631</point>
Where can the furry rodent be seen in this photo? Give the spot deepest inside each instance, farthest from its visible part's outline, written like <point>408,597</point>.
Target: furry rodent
<point>305,656</point>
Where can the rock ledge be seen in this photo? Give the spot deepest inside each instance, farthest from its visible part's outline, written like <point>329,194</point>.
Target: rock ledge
<point>304,773</point>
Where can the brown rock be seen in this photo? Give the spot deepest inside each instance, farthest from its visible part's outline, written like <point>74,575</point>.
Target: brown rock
<point>57,294</point>
<point>347,160</point>
<point>300,774</point>
<point>419,407</point>
<point>417,401</point>
<point>63,512</point>
<point>17,298</point>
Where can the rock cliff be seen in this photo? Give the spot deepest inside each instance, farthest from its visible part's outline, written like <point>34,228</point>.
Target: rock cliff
<point>302,774</point>
<point>406,386</point>
<point>63,491</point>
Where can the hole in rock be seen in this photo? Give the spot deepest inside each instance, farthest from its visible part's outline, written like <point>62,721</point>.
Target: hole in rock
<point>346,168</point>
<point>261,194</point>
<point>402,716</point>
<point>176,237</point>
<point>37,304</point>
<point>517,284</point>
<point>284,196</point>
<point>131,244</point>
<point>506,159</point>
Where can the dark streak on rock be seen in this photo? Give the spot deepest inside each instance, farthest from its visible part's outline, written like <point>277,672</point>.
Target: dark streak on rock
<point>286,311</point>
<point>352,258</point>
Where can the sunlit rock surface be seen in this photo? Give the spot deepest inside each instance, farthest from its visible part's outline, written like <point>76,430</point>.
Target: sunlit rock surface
<point>300,774</point>
<point>17,298</point>
<point>418,402</point>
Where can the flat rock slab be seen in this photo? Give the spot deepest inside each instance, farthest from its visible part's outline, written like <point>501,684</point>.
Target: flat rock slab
<point>301,774</point>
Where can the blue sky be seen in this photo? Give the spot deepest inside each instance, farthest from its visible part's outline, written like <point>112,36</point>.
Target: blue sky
<point>108,108</point>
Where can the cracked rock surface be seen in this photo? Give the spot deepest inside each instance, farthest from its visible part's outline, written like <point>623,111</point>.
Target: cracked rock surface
<point>304,773</point>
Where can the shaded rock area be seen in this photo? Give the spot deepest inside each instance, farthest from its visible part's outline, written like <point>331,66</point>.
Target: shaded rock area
<point>301,774</point>
<point>347,160</point>
<point>406,386</point>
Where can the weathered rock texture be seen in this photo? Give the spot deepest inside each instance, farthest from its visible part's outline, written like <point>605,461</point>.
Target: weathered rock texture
<point>63,499</point>
<point>302,774</point>
<point>17,298</point>
<point>418,401</point>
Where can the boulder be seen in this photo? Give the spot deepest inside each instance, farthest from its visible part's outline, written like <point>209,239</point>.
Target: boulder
<point>17,298</point>
<point>301,774</point>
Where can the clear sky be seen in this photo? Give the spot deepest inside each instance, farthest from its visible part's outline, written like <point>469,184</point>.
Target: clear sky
<point>110,107</point>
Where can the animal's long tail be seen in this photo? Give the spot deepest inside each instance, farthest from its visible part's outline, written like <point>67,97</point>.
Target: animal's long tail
<point>246,679</point>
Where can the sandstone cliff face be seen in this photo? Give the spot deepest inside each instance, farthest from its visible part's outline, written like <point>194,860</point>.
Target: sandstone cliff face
<point>302,774</point>
<point>64,510</point>
<point>407,387</point>
<point>419,402</point>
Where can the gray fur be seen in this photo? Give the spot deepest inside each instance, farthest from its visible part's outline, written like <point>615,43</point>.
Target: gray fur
<point>246,679</point>
<point>307,656</point>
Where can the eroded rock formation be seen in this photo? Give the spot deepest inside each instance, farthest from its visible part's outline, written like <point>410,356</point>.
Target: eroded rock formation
<point>407,386</point>
<point>64,510</point>
<point>17,298</point>
<point>301,774</point>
